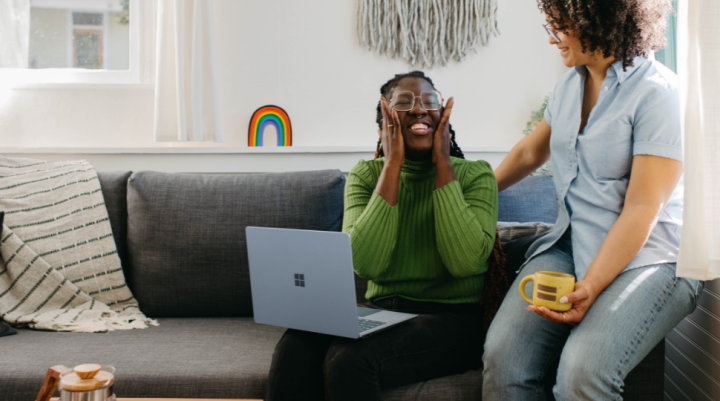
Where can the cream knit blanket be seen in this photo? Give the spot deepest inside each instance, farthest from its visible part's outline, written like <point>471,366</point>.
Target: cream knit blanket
<point>59,267</point>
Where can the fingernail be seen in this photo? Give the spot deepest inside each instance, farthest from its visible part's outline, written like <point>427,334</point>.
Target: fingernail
<point>563,300</point>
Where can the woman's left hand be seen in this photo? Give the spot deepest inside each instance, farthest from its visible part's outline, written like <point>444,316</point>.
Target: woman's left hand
<point>582,299</point>
<point>441,142</point>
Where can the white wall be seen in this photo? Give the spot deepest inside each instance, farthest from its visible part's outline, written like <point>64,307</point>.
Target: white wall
<point>304,57</point>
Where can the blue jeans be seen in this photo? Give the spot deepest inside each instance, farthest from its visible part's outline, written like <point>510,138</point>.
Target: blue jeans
<point>627,320</point>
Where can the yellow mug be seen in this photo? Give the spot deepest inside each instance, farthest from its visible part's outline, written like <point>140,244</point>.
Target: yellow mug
<point>548,288</point>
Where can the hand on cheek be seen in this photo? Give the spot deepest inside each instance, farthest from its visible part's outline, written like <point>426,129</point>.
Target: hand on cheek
<point>441,141</point>
<point>392,140</point>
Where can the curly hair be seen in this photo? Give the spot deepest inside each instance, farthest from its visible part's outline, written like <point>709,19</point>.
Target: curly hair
<point>624,29</point>
<point>387,90</point>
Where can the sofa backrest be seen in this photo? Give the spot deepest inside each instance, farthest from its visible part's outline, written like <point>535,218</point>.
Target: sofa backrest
<point>530,200</point>
<point>186,234</point>
<point>114,190</point>
<point>188,255</point>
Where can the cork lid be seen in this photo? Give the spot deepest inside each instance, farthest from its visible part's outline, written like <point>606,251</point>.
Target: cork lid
<point>88,377</point>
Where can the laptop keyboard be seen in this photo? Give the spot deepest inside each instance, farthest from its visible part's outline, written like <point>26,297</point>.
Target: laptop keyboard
<point>367,324</point>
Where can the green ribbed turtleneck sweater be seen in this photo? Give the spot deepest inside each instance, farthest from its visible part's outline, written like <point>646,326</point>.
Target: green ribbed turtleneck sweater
<point>433,244</point>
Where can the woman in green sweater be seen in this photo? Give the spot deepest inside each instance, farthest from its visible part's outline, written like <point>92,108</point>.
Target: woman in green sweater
<point>422,226</point>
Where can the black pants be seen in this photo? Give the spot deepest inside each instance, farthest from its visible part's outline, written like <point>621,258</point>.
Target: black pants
<point>443,340</point>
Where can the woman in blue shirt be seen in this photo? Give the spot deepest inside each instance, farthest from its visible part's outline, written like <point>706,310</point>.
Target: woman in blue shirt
<point>612,131</point>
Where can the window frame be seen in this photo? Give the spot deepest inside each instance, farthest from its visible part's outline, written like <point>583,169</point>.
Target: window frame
<point>141,58</point>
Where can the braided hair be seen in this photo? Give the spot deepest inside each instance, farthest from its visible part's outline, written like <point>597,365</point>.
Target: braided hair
<point>496,281</point>
<point>387,91</point>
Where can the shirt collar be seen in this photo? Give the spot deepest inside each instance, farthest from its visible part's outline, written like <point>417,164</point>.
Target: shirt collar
<point>617,67</point>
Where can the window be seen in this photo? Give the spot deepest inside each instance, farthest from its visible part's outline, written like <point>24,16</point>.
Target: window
<point>68,34</point>
<point>668,55</point>
<point>78,41</point>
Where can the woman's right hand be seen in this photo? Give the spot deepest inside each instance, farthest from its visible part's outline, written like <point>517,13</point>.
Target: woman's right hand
<point>393,145</point>
<point>392,140</point>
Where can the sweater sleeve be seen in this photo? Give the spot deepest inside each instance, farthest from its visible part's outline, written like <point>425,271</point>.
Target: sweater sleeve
<point>371,222</point>
<point>466,219</point>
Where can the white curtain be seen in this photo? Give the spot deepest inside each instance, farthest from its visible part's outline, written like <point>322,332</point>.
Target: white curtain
<point>699,73</point>
<point>14,33</point>
<point>187,81</point>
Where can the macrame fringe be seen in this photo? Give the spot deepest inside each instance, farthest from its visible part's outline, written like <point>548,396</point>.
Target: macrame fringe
<point>426,32</point>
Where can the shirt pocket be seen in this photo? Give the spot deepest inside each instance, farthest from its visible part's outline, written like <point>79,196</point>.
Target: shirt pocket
<point>609,150</point>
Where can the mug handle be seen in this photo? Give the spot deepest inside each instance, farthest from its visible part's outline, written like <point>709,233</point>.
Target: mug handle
<point>522,289</point>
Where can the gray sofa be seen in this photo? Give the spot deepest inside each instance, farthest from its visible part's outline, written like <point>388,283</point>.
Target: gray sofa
<point>181,239</point>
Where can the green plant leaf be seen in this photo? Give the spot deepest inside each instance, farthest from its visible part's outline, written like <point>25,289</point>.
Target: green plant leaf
<point>537,116</point>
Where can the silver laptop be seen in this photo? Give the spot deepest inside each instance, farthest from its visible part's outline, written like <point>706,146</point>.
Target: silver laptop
<point>304,280</point>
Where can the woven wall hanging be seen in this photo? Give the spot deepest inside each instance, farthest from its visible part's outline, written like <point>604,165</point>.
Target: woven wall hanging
<point>426,32</point>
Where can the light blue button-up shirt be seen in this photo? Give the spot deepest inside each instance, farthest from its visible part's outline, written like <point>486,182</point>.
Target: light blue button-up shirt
<point>637,113</point>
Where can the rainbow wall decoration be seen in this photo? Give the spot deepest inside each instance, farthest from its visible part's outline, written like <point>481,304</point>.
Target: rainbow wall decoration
<point>266,116</point>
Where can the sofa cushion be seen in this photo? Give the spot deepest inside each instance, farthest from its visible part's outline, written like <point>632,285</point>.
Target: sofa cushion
<point>186,233</point>
<point>217,358</point>
<point>465,386</point>
<point>509,231</point>
<point>532,199</point>
<point>114,190</point>
<point>181,358</point>
<point>5,330</point>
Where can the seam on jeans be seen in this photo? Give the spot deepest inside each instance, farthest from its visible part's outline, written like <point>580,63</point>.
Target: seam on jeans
<point>699,287</point>
<point>540,392</point>
<point>639,336</point>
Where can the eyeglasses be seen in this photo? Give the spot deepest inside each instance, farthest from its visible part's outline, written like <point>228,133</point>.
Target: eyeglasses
<point>551,32</point>
<point>405,100</point>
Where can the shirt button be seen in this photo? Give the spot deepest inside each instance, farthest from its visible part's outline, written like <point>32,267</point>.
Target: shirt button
<point>606,89</point>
